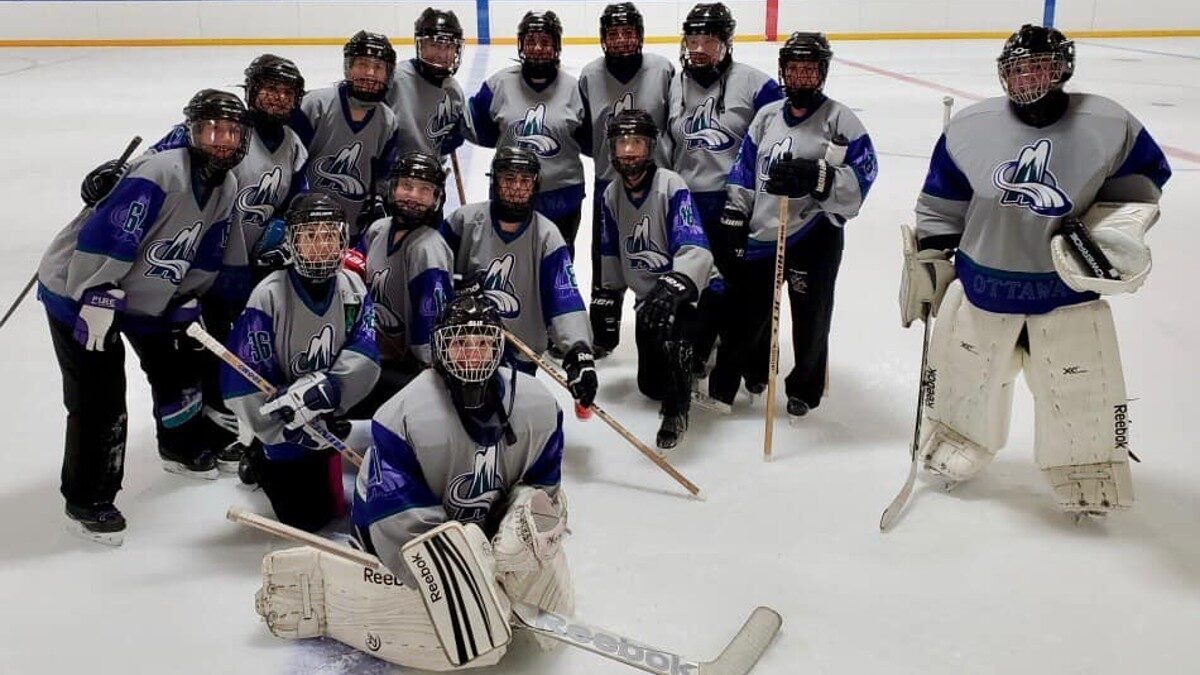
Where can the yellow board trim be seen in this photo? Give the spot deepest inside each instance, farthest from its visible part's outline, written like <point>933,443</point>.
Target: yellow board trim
<point>652,39</point>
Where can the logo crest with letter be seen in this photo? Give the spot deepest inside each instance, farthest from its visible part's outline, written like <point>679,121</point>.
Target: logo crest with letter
<point>702,130</point>
<point>256,203</point>
<point>170,259</point>
<point>471,495</point>
<point>340,173</point>
<point>441,122</point>
<point>531,133</point>
<point>778,150</point>
<point>498,286</point>
<point>318,356</point>
<point>1028,183</point>
<point>642,252</point>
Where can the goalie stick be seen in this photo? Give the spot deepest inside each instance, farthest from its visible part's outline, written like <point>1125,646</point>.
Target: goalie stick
<point>1086,251</point>
<point>738,657</point>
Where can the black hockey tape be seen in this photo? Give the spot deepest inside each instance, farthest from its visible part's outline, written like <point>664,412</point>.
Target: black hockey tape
<point>1085,250</point>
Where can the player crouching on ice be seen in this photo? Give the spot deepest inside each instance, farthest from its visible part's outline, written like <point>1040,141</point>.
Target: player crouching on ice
<point>310,331</point>
<point>1005,179</point>
<point>651,241</point>
<point>469,450</point>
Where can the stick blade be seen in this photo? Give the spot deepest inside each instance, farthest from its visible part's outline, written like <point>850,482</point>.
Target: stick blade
<point>892,512</point>
<point>747,646</point>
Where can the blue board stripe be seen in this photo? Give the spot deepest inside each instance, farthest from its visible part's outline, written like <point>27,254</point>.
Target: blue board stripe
<point>1048,16</point>
<point>483,21</point>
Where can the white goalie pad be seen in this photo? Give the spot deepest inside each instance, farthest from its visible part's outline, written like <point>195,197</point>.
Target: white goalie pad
<point>973,361</point>
<point>1082,416</point>
<point>924,278</point>
<point>1119,230</point>
<point>529,555</point>
<point>308,593</point>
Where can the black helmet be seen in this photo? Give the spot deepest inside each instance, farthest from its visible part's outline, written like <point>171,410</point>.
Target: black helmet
<point>713,19</point>
<point>373,45</point>
<point>424,167</point>
<point>632,122</point>
<point>210,105</point>
<point>809,47</point>
<point>467,370</point>
<point>540,22</point>
<point>310,209</point>
<point>1036,43</point>
<point>438,25</point>
<point>507,159</point>
<point>274,69</point>
<point>622,14</point>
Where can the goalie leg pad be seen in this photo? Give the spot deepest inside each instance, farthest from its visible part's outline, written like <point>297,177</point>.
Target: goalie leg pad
<point>308,593</point>
<point>1092,488</point>
<point>973,361</point>
<point>1081,413</point>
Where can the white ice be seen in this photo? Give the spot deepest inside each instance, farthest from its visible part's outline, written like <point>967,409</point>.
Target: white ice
<point>986,579</point>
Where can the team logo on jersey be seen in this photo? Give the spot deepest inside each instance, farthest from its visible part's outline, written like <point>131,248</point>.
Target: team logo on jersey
<point>497,284</point>
<point>470,496</point>
<point>765,164</point>
<point>441,122</point>
<point>170,259</point>
<point>388,319</point>
<point>256,203</point>
<point>702,130</point>
<point>318,356</point>
<point>622,104</point>
<point>642,253</point>
<point>532,135</point>
<point>339,173</point>
<point>1027,182</point>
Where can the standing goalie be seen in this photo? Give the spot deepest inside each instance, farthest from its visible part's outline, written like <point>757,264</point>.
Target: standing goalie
<point>1006,175</point>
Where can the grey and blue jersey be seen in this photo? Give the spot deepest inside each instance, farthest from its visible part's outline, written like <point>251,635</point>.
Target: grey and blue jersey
<point>1004,187</point>
<point>642,239</point>
<point>548,121</point>
<point>429,117</point>
<point>528,274</point>
<point>604,95</point>
<point>284,334</point>
<point>346,159</point>
<point>775,131</point>
<point>706,124</point>
<point>152,236</point>
<point>410,282</point>
<point>428,465</point>
<point>268,177</point>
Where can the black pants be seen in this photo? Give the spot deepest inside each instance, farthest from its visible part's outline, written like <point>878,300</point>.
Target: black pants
<point>97,421</point>
<point>305,493</point>
<point>568,226</point>
<point>664,368</point>
<point>810,272</point>
<point>218,322</point>
<point>722,319</point>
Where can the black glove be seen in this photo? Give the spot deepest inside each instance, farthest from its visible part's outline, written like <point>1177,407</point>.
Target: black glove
<point>101,180</point>
<point>373,209</point>
<point>605,313</point>
<point>581,374</point>
<point>662,303</point>
<point>799,177</point>
<point>732,233</point>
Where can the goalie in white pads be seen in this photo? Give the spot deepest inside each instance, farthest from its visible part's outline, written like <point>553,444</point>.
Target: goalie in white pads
<point>1003,178</point>
<point>469,450</point>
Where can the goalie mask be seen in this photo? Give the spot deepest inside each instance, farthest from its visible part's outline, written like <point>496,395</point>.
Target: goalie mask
<point>632,136</point>
<point>803,67</point>
<point>218,134</point>
<point>707,42</point>
<point>417,185</point>
<point>622,34</point>
<point>439,39</point>
<point>539,44</point>
<point>1035,61</point>
<point>514,175</point>
<point>468,344</point>
<point>317,235</point>
<point>274,87</point>
<point>368,64</point>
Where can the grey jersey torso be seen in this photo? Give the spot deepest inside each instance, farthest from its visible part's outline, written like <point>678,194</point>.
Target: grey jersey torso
<point>648,89</point>
<point>426,115</point>
<point>264,180</point>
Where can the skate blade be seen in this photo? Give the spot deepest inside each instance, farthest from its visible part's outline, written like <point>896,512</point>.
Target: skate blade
<point>711,404</point>
<point>178,468</point>
<point>113,539</point>
<point>229,467</point>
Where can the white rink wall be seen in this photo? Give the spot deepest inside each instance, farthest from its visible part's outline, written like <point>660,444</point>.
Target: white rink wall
<point>238,20</point>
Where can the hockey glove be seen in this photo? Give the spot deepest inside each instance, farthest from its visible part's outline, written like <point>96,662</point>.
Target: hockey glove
<point>581,374</point>
<point>373,209</point>
<point>97,311</point>
<point>662,303</point>
<point>733,233</point>
<point>180,316</point>
<point>926,275</point>
<point>605,314</point>
<point>798,177</point>
<point>354,261</point>
<point>101,180</point>
<point>307,436</point>
<point>308,398</point>
<point>270,253</point>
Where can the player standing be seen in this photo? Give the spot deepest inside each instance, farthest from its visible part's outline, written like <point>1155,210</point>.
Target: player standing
<point>427,100</point>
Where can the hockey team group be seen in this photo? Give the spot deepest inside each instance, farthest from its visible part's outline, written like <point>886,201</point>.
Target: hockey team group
<point>297,294</point>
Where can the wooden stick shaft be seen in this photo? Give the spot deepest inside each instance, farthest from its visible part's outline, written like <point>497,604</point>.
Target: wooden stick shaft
<point>301,537</point>
<point>213,345</point>
<point>458,179</point>
<point>776,302</point>
<point>603,414</point>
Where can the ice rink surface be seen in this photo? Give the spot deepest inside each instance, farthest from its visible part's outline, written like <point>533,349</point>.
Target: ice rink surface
<point>986,579</point>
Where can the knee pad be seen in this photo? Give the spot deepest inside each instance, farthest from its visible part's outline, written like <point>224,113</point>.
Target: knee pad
<point>951,455</point>
<point>1092,488</point>
<point>531,565</point>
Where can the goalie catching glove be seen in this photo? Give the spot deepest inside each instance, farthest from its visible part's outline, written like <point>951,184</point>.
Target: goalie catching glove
<point>1118,231</point>
<point>926,275</point>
